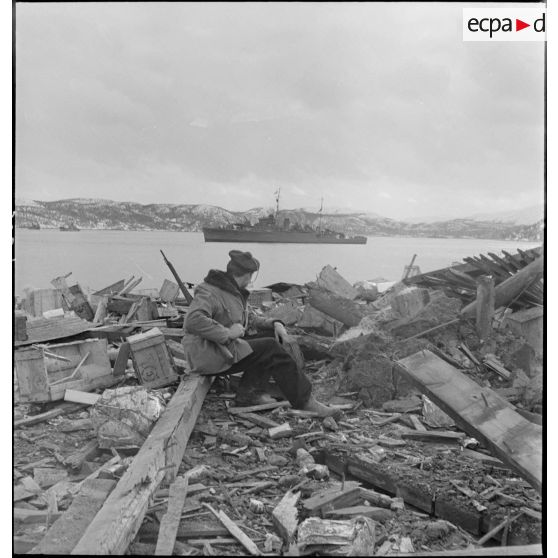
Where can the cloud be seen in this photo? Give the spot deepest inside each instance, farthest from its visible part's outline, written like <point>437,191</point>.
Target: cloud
<point>320,99</point>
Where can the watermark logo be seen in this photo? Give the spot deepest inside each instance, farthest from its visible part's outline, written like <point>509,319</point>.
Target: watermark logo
<point>504,24</point>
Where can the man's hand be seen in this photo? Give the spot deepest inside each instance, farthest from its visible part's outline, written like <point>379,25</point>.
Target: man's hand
<point>236,331</point>
<point>280,332</point>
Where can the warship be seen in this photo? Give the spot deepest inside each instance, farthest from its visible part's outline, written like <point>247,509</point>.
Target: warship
<point>269,229</point>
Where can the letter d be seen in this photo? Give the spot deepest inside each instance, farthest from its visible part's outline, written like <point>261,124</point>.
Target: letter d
<point>539,28</point>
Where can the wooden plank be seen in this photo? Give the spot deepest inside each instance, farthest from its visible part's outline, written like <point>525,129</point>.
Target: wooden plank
<point>171,519</point>
<point>346,311</point>
<point>435,436</point>
<point>334,498</point>
<point>58,391</point>
<point>101,311</point>
<point>77,396</point>
<point>62,409</point>
<point>491,363</point>
<point>43,329</point>
<point>255,408</point>
<point>121,359</point>
<point>235,531</point>
<point>65,533</point>
<point>503,263</point>
<point>331,280</point>
<point>417,424</point>
<point>119,520</point>
<point>480,412</point>
<point>259,420</point>
<point>285,516</point>
<point>150,532</point>
<point>111,289</point>
<point>497,270</point>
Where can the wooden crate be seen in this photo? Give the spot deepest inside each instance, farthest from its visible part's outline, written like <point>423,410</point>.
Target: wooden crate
<point>31,375</point>
<point>152,360</point>
<point>38,301</point>
<point>97,363</point>
<point>257,296</point>
<point>35,372</point>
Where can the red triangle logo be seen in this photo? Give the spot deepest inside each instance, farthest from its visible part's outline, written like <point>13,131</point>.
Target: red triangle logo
<point>519,25</point>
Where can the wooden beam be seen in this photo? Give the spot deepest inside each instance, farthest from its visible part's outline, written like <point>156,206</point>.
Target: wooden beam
<point>171,520</point>
<point>346,311</point>
<point>507,290</point>
<point>485,306</point>
<point>118,522</point>
<point>480,412</point>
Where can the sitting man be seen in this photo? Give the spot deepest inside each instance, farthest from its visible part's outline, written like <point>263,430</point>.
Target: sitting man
<point>214,326</point>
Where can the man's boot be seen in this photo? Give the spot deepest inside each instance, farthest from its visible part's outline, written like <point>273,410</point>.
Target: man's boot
<point>323,410</point>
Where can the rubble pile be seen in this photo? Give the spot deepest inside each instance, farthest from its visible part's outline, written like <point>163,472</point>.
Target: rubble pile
<point>120,448</point>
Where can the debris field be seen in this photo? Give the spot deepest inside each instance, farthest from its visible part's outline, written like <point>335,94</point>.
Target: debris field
<point>121,448</point>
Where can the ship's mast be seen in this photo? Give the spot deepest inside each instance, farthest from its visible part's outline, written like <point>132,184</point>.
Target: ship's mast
<point>277,195</point>
<point>320,220</point>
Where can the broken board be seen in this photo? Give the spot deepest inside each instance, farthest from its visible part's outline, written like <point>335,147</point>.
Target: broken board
<point>480,412</point>
<point>119,520</point>
<point>44,329</point>
<point>65,533</point>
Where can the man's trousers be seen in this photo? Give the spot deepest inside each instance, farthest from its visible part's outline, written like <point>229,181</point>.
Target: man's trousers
<point>270,360</point>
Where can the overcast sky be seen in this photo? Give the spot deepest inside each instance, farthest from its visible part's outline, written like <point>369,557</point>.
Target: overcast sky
<point>376,107</point>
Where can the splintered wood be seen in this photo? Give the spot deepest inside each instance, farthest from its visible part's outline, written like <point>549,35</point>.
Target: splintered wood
<point>480,412</point>
<point>171,520</point>
<point>284,516</point>
<point>119,520</point>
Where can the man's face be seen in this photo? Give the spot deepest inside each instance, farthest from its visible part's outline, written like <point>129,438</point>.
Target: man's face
<point>244,280</point>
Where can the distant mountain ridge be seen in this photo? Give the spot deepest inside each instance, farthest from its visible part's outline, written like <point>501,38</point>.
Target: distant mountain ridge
<point>107,214</point>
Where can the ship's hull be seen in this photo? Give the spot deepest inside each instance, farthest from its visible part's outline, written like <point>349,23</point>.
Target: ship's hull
<point>293,237</point>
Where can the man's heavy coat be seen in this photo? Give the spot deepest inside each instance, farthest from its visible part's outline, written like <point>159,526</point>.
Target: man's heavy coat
<point>218,304</point>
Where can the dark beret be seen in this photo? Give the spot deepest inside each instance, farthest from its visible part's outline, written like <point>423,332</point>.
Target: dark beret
<point>244,260</point>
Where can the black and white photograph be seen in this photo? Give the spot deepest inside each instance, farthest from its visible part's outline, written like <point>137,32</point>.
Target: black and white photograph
<point>279,278</point>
